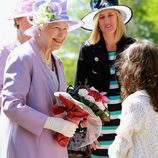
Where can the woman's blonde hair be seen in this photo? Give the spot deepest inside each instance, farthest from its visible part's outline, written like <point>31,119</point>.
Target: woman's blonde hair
<point>96,34</point>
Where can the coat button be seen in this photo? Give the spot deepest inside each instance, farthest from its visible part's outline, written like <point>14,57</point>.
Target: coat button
<point>96,59</point>
<point>60,62</point>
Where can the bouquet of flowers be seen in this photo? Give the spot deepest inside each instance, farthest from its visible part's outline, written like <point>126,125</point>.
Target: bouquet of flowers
<point>75,112</point>
<point>91,97</point>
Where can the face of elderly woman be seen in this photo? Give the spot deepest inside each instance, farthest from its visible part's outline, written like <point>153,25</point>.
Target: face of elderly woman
<point>54,35</point>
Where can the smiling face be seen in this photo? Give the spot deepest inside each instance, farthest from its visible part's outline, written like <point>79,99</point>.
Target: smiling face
<point>107,21</point>
<point>53,35</point>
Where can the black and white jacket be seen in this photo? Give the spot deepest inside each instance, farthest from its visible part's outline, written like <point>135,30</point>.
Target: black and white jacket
<point>93,66</point>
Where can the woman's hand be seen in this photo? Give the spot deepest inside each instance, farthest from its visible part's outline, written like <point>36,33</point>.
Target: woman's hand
<point>83,123</point>
<point>95,144</point>
<point>60,125</point>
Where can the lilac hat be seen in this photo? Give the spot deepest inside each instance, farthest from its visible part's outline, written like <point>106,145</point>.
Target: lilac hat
<point>23,8</point>
<point>50,11</point>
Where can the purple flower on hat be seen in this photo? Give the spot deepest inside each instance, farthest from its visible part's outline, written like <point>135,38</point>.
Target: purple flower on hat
<point>56,8</point>
<point>46,11</point>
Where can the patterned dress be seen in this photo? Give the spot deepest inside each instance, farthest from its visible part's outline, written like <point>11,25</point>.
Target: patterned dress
<point>108,129</point>
<point>96,66</point>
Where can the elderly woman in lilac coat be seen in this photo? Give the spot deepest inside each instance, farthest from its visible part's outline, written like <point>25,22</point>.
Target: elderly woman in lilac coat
<point>32,74</point>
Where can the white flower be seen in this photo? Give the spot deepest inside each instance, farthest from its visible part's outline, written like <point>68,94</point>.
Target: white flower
<point>100,105</point>
<point>106,105</point>
<point>89,98</point>
<point>83,92</point>
<point>92,88</point>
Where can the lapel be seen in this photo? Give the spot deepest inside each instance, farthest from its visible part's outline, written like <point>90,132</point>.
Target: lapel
<point>47,72</point>
<point>60,73</point>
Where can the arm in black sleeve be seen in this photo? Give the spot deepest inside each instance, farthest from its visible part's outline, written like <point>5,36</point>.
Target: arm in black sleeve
<point>82,66</point>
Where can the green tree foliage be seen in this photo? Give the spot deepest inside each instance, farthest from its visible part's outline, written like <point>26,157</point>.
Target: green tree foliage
<point>144,25</point>
<point>71,48</point>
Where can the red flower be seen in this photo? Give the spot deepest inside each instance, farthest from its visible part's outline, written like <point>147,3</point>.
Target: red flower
<point>99,97</point>
<point>96,95</point>
<point>91,97</point>
<point>74,114</point>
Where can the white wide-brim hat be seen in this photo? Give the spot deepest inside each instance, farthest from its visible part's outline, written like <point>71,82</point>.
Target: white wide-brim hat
<point>125,11</point>
<point>51,11</point>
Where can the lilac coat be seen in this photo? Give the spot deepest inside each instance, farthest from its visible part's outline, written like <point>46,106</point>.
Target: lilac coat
<point>4,53</point>
<point>26,96</point>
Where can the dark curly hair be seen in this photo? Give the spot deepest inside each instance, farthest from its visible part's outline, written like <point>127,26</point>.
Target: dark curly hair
<point>138,69</point>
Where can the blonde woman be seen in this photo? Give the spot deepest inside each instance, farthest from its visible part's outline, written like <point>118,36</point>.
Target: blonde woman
<point>96,61</point>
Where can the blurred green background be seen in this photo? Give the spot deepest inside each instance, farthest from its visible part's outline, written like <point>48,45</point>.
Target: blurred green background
<point>144,25</point>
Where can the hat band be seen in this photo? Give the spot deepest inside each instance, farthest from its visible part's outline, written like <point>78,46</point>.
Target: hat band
<point>61,17</point>
<point>105,4</point>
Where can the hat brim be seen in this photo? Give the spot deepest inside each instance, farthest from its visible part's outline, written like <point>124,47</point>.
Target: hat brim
<point>73,24</point>
<point>125,11</point>
<point>17,16</point>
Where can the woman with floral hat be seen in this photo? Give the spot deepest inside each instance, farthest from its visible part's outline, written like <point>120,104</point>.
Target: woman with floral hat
<point>96,61</point>
<point>32,74</point>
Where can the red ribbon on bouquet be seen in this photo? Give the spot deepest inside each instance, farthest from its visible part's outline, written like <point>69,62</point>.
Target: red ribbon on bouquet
<point>74,114</point>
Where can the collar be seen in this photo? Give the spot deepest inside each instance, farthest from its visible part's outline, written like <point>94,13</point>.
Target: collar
<point>142,92</point>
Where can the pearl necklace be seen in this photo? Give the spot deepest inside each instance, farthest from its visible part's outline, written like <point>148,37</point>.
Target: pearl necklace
<point>50,64</point>
<point>48,61</point>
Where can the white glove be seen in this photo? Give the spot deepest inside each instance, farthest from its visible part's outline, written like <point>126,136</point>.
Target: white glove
<point>60,125</point>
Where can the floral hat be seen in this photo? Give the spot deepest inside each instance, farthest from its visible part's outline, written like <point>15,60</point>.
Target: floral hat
<point>49,11</point>
<point>23,9</point>
<point>99,5</point>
